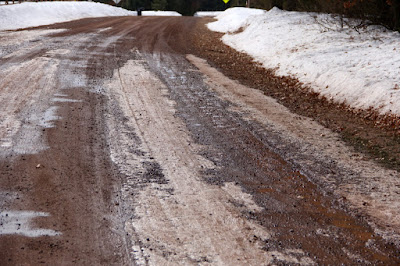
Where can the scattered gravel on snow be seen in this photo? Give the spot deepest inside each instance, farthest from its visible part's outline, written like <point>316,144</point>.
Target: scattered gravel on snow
<point>359,69</point>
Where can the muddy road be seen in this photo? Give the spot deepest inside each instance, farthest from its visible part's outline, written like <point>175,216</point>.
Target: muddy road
<point>120,145</point>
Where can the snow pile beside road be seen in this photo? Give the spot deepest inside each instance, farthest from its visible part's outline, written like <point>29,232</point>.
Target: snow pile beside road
<point>233,19</point>
<point>207,13</point>
<point>161,13</point>
<point>43,13</point>
<point>361,70</point>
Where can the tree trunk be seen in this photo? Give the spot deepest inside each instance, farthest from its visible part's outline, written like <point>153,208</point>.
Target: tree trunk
<point>396,15</point>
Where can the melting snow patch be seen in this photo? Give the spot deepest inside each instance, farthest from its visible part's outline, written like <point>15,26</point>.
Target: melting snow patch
<point>48,117</point>
<point>19,222</point>
<point>5,142</point>
<point>105,29</point>
<point>58,52</point>
<point>19,37</point>
<point>66,100</point>
<point>60,95</point>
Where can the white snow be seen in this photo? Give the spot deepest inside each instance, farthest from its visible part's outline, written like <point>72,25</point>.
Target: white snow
<point>161,13</point>
<point>20,223</point>
<point>359,69</point>
<point>31,14</point>
<point>207,13</point>
<point>233,19</point>
<point>48,118</point>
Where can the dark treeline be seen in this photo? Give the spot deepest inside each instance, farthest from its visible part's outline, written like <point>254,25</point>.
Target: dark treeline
<point>384,12</point>
<point>184,7</point>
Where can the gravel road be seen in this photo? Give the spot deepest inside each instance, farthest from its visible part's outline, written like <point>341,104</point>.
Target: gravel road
<point>121,145</point>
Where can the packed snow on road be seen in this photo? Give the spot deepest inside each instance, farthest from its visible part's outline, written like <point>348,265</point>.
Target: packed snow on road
<point>361,69</point>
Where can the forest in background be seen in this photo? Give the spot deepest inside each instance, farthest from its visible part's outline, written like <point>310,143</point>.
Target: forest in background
<point>184,7</point>
<point>382,12</point>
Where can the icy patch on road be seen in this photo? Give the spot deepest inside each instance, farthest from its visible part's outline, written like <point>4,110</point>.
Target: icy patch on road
<point>19,37</point>
<point>60,95</point>
<point>19,223</point>
<point>104,29</point>
<point>24,103</point>
<point>8,128</point>
<point>58,52</point>
<point>29,98</point>
<point>48,117</point>
<point>13,44</point>
<point>69,78</point>
<point>65,100</point>
<point>6,142</point>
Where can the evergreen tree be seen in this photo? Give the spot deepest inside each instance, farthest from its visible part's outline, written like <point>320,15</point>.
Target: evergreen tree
<point>159,4</point>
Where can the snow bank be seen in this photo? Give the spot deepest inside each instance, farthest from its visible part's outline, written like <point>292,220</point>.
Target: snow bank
<point>233,19</point>
<point>207,13</point>
<point>31,14</point>
<point>161,13</point>
<point>361,70</point>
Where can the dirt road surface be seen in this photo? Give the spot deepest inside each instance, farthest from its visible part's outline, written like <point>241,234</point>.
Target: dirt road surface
<point>120,145</point>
